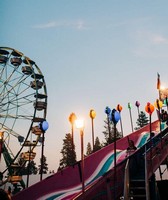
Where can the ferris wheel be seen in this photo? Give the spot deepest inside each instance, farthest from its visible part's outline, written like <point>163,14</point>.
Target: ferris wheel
<point>23,107</point>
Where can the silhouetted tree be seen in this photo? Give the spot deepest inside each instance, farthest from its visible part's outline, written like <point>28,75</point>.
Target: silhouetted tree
<point>68,152</point>
<point>31,167</point>
<point>97,145</point>
<point>109,132</point>
<point>44,169</point>
<point>89,149</point>
<point>142,120</point>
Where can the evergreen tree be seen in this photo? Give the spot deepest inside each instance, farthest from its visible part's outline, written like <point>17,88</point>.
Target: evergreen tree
<point>44,169</point>
<point>109,132</point>
<point>32,167</point>
<point>97,145</point>
<point>68,152</point>
<point>89,149</point>
<point>142,120</point>
<point>28,167</point>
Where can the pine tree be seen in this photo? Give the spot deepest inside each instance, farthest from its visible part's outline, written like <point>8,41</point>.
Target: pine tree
<point>28,167</point>
<point>109,132</point>
<point>68,152</point>
<point>89,149</point>
<point>32,167</point>
<point>142,120</point>
<point>44,169</point>
<point>97,145</point>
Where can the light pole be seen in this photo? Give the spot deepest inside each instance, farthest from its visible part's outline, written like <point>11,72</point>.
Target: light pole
<point>108,111</point>
<point>114,117</point>
<point>43,126</point>
<point>119,109</point>
<point>129,107</point>
<point>149,108</point>
<point>80,125</point>
<point>92,116</point>
<point>137,104</point>
<point>72,119</point>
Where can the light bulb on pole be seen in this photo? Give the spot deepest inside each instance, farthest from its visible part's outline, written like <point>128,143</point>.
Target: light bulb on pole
<point>137,104</point>
<point>92,116</point>
<point>43,126</point>
<point>129,107</point>
<point>119,109</point>
<point>80,125</point>
<point>108,111</point>
<point>149,108</point>
<point>72,119</point>
<point>114,117</point>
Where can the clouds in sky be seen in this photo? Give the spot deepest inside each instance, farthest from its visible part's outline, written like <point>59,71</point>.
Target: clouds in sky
<point>150,44</point>
<point>159,39</point>
<point>151,37</point>
<point>139,33</point>
<point>78,24</point>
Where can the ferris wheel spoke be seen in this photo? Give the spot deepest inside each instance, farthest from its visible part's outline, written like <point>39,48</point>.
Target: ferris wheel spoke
<point>17,96</point>
<point>9,87</point>
<point>22,100</point>
<point>25,117</point>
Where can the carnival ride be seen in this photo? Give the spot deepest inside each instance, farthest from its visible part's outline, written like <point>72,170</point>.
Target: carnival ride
<point>104,180</point>
<point>23,106</point>
<point>110,173</point>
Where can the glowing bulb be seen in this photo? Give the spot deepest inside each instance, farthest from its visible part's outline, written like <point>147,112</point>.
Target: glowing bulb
<point>162,87</point>
<point>79,123</point>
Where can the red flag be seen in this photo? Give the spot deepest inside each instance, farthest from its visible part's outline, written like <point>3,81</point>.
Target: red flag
<point>158,81</point>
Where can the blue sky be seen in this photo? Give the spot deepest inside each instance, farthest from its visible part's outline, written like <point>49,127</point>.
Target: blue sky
<point>93,54</point>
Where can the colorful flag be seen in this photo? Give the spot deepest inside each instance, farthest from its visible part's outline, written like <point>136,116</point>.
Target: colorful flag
<point>158,81</point>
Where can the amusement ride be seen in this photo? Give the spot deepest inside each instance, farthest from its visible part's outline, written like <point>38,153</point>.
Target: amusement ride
<point>23,109</point>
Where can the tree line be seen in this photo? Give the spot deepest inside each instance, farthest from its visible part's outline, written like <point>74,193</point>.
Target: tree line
<point>68,150</point>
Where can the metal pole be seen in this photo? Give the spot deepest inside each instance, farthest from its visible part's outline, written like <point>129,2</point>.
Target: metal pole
<point>92,133</point>
<point>151,145</point>
<point>139,117</point>
<point>42,157</point>
<point>131,120</point>
<point>72,119</point>
<point>82,161</point>
<point>138,110</point>
<point>114,161</point>
<point>119,108</point>
<point>150,128</point>
<point>108,123</point>
<point>73,136</point>
<point>121,127</point>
